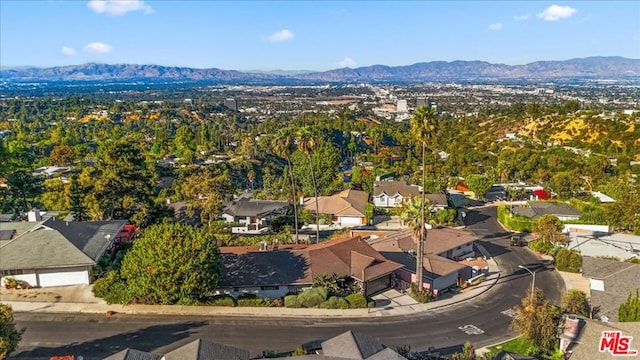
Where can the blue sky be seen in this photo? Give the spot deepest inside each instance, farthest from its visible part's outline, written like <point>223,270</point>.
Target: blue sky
<point>312,35</point>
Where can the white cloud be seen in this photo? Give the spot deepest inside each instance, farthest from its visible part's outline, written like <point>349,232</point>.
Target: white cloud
<point>495,27</point>
<point>522,17</point>
<point>280,36</point>
<point>97,48</point>
<point>67,51</point>
<point>347,62</point>
<point>118,7</point>
<point>557,12</point>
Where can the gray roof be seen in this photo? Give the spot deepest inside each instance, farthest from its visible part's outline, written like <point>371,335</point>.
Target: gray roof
<point>55,243</point>
<point>392,188</point>
<point>252,207</point>
<point>132,354</point>
<point>539,208</point>
<point>620,279</point>
<point>206,350</point>
<point>585,346</point>
<point>352,345</point>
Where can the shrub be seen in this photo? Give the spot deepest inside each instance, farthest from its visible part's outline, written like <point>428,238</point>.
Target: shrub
<point>541,246</point>
<point>420,295</point>
<point>515,222</point>
<point>247,296</point>
<point>568,260</point>
<point>112,288</point>
<point>278,303</point>
<point>222,300</point>
<point>258,302</point>
<point>313,297</point>
<point>335,302</point>
<point>291,301</point>
<point>357,301</point>
<point>10,283</point>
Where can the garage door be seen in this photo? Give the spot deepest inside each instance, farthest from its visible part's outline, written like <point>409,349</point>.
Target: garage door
<point>348,220</point>
<point>377,285</point>
<point>61,277</point>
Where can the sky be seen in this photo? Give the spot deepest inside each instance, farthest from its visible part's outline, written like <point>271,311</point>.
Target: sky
<point>311,35</point>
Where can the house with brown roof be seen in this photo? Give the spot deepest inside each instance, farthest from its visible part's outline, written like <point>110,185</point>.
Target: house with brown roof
<point>443,250</point>
<point>275,272</point>
<point>347,208</point>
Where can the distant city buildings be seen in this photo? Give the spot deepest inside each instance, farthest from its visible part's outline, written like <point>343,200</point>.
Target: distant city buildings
<point>231,104</point>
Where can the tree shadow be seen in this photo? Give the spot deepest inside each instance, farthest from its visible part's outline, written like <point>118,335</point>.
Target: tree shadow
<point>145,339</point>
<point>493,248</point>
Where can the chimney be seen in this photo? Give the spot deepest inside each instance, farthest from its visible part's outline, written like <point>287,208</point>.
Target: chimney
<point>34,215</point>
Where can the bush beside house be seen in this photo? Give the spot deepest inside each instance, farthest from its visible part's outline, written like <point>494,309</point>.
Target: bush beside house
<point>568,260</point>
<point>515,222</point>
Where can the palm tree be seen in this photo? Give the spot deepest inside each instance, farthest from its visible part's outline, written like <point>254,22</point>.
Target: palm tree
<point>283,145</point>
<point>423,129</point>
<point>307,144</point>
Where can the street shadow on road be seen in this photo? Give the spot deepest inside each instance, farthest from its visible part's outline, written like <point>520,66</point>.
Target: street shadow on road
<point>145,339</point>
<point>539,268</point>
<point>493,248</point>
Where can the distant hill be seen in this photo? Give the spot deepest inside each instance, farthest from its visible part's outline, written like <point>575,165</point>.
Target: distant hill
<point>591,67</point>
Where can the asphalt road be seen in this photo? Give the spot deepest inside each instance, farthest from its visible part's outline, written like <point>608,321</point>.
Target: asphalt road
<point>481,320</point>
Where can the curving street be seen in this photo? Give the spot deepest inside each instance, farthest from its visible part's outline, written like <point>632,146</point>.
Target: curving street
<point>481,320</point>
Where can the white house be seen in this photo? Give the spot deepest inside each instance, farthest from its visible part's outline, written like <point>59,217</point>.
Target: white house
<point>392,193</point>
<point>54,252</point>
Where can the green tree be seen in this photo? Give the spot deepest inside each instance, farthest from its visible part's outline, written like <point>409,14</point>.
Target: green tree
<point>54,195</point>
<point>423,128</point>
<point>123,181</point>
<point>172,264</point>
<point>283,145</point>
<point>9,336</point>
<point>575,302</point>
<point>75,198</point>
<point>307,144</point>
<point>185,141</point>
<point>62,155</point>
<point>535,321</point>
<point>479,184</point>
<point>549,229</point>
<point>629,310</point>
<point>565,184</point>
<point>23,189</point>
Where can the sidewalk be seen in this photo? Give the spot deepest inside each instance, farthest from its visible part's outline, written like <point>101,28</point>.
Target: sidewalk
<point>390,303</point>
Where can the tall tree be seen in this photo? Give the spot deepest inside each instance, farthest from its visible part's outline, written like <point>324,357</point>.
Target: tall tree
<point>479,184</point>
<point>123,181</point>
<point>76,202</point>
<point>23,189</point>
<point>535,321</point>
<point>423,130</point>
<point>283,145</point>
<point>630,309</point>
<point>62,155</point>
<point>575,302</point>
<point>549,229</point>
<point>307,144</point>
<point>172,264</point>
<point>9,336</point>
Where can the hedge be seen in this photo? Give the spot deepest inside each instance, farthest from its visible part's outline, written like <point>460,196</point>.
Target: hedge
<point>541,246</point>
<point>335,302</point>
<point>357,301</point>
<point>291,301</point>
<point>313,297</point>
<point>516,222</point>
<point>222,300</point>
<point>256,302</point>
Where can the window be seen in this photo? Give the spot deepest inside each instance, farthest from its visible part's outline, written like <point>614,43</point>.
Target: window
<point>236,289</point>
<point>11,272</point>
<point>263,288</point>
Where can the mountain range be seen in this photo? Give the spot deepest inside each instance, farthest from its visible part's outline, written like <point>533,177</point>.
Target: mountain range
<point>588,68</point>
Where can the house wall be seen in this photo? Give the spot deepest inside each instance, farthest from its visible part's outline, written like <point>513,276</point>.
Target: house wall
<point>568,217</point>
<point>351,220</point>
<point>446,281</point>
<point>383,200</point>
<point>228,218</point>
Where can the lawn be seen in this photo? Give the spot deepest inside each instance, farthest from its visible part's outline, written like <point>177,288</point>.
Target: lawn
<point>517,345</point>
